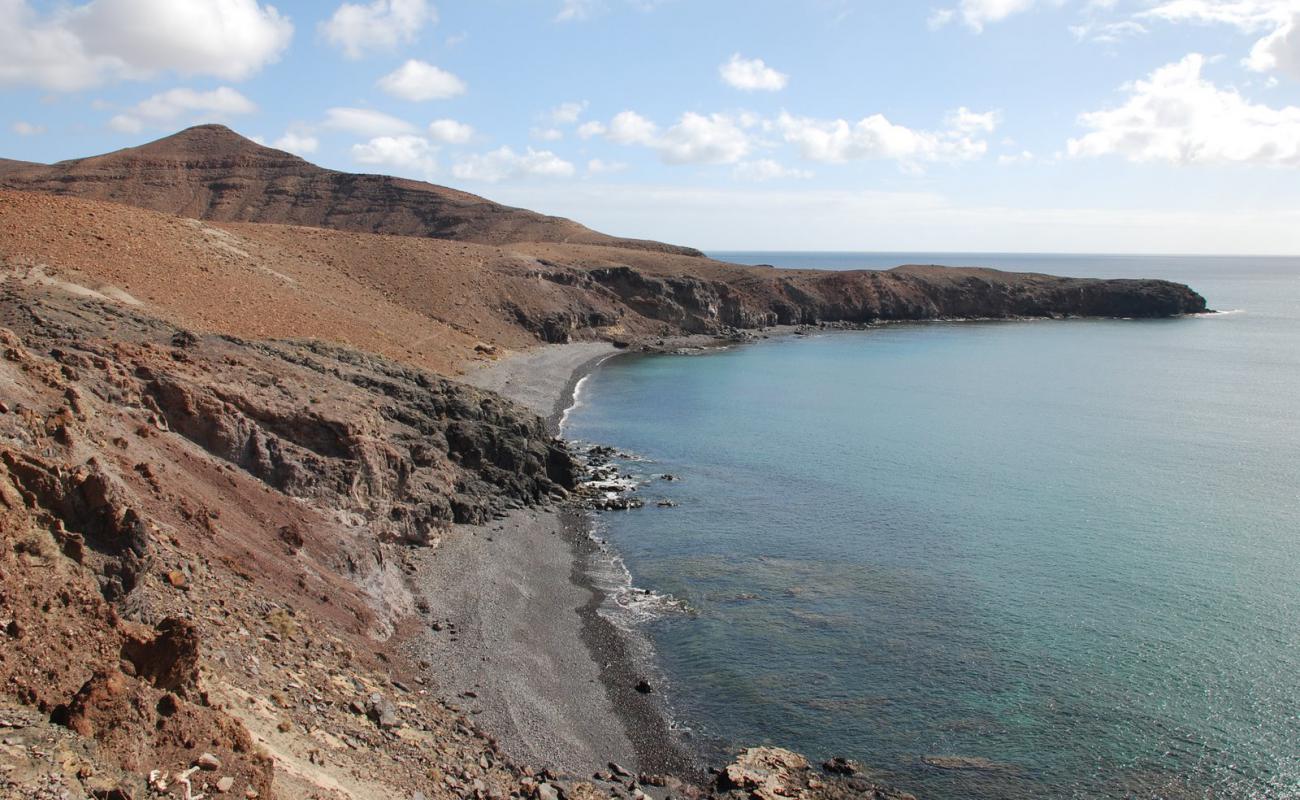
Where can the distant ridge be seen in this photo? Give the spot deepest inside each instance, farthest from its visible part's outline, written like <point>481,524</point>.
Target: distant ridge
<point>209,172</point>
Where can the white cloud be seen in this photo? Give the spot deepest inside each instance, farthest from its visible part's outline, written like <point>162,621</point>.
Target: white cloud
<point>970,122</point>
<point>699,139</point>
<point>166,108</point>
<point>449,131</point>
<point>79,46</point>
<point>978,13</point>
<point>1177,116</point>
<point>695,139</point>
<point>547,134</point>
<point>1278,50</point>
<point>412,155</point>
<point>875,137</point>
<point>629,127</point>
<point>1107,32</point>
<point>23,128</point>
<point>765,169</point>
<point>380,25</point>
<point>365,122</point>
<point>566,113</point>
<point>504,163</point>
<point>418,81</point>
<point>597,166</point>
<point>589,129</point>
<point>752,75</point>
<point>297,142</point>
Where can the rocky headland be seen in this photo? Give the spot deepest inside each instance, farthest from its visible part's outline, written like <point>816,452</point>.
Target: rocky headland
<point>262,539</point>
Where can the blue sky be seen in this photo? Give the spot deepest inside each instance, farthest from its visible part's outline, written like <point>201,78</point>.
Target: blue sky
<point>958,125</point>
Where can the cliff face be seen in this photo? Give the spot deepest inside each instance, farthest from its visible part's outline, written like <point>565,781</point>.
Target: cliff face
<point>163,494</point>
<point>212,173</point>
<point>742,297</point>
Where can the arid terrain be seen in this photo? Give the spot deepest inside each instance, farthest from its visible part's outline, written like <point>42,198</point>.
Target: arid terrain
<point>230,435</point>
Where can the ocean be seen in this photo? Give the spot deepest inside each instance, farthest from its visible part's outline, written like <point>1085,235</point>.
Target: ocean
<point>1027,559</point>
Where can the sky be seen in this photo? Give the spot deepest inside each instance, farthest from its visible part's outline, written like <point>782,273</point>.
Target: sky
<point>1116,126</point>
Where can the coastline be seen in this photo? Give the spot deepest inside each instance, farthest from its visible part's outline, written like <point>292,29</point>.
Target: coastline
<point>558,689</point>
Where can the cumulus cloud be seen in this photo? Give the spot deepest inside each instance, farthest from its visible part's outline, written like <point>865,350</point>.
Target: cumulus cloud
<point>875,137</point>
<point>765,169</point>
<point>449,131</point>
<point>418,81</point>
<point>23,128</point>
<point>411,155</point>
<point>629,127</point>
<point>1179,117</point>
<point>547,134</point>
<point>752,75</point>
<point>79,46</point>
<point>699,139</point>
<point>694,139</point>
<point>1279,51</point>
<point>166,108</point>
<point>365,122</point>
<point>978,13</point>
<point>381,25</point>
<point>298,142</point>
<point>1279,20</point>
<point>504,163</point>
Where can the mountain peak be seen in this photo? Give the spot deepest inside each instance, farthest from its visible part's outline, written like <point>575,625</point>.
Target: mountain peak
<point>211,172</point>
<point>203,141</point>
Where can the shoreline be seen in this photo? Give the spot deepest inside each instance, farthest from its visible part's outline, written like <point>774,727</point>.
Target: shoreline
<point>547,729</point>
<point>644,716</point>
<point>632,728</point>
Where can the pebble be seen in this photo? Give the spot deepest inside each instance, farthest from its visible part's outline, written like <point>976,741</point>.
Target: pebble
<point>225,784</point>
<point>208,762</point>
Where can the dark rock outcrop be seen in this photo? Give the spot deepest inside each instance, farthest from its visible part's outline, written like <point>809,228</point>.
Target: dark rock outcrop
<point>410,453</point>
<point>728,296</point>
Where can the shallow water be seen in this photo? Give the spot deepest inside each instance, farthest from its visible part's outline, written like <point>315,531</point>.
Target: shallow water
<point>1070,548</point>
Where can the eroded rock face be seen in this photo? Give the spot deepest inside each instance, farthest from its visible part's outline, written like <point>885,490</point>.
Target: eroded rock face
<point>180,513</point>
<point>720,297</point>
<point>168,657</point>
<point>408,452</point>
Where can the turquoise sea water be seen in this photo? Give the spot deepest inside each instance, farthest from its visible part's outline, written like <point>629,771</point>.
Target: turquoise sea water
<point>1069,548</point>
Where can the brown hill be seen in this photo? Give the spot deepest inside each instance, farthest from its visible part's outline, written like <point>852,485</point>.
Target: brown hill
<point>210,172</point>
<point>8,165</point>
<point>431,302</point>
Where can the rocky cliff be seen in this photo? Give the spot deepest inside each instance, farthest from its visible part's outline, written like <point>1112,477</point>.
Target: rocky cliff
<point>163,494</point>
<point>204,544</point>
<point>710,296</point>
<point>212,173</point>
